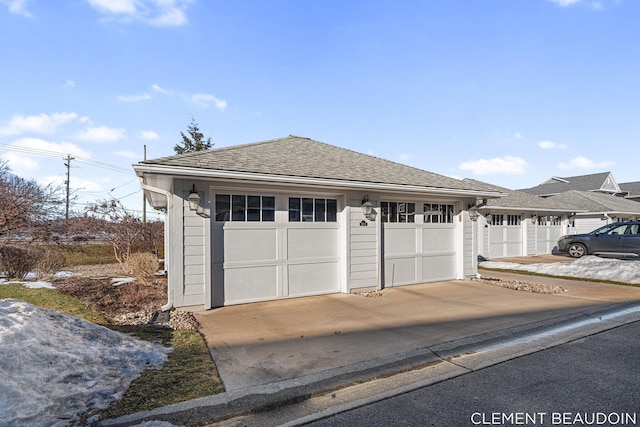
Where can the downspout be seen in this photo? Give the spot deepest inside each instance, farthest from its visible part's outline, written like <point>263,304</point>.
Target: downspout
<point>167,248</point>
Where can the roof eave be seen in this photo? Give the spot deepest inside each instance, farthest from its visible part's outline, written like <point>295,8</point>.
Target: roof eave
<point>178,171</point>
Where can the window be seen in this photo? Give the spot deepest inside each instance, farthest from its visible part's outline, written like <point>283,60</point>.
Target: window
<point>241,208</point>
<point>398,212</point>
<point>307,209</point>
<point>436,213</point>
<point>514,219</point>
<point>497,219</point>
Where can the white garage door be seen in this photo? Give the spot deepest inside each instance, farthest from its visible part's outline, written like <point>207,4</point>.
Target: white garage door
<point>418,253</point>
<point>296,254</point>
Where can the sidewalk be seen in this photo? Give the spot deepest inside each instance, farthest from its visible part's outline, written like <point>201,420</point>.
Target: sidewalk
<point>277,352</point>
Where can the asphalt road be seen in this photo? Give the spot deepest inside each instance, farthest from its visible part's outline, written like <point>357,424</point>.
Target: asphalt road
<point>590,381</point>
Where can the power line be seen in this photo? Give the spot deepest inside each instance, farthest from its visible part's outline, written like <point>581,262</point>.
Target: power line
<point>39,152</point>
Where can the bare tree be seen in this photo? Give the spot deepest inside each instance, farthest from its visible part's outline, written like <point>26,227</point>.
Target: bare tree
<point>25,204</point>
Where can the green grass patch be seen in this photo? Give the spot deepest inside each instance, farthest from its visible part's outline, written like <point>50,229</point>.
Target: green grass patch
<point>577,279</point>
<point>86,254</point>
<point>188,373</point>
<point>52,299</point>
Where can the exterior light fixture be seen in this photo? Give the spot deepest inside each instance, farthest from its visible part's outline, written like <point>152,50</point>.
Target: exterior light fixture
<point>534,218</point>
<point>367,209</point>
<point>194,199</point>
<point>473,214</point>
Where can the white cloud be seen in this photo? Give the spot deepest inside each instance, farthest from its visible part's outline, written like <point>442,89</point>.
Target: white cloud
<point>159,13</point>
<point>134,98</point>
<point>70,83</point>
<point>101,134</point>
<point>404,157</point>
<point>20,164</point>
<point>64,148</point>
<point>204,99</point>
<point>126,7</point>
<point>17,7</point>
<point>157,88</point>
<point>507,165</point>
<point>565,3</point>
<point>582,162</point>
<point>43,123</point>
<point>149,135</point>
<point>549,145</point>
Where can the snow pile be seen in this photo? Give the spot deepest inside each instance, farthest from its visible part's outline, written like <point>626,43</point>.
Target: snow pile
<point>588,267</point>
<point>55,367</point>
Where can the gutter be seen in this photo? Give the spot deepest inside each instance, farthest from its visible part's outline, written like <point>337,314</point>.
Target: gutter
<point>167,248</point>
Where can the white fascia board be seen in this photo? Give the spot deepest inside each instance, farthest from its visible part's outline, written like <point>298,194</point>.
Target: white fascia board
<point>527,209</point>
<point>183,172</point>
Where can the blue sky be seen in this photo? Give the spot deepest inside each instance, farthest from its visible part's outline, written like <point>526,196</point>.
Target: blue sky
<point>507,92</point>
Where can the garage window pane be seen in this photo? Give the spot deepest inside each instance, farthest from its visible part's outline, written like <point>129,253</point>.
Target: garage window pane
<point>332,210</point>
<point>253,208</point>
<point>223,204</point>
<point>307,210</point>
<point>238,207</point>
<point>320,208</point>
<point>268,208</point>
<point>294,209</point>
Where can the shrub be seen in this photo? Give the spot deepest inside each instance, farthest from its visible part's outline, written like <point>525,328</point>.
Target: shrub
<point>50,262</point>
<point>17,261</point>
<point>142,265</point>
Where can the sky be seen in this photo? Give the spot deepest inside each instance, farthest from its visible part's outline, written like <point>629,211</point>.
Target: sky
<point>506,92</point>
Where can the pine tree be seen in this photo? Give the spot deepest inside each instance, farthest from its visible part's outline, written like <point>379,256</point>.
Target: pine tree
<point>195,141</point>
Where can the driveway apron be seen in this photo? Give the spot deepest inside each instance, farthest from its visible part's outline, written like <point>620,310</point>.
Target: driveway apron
<point>262,343</point>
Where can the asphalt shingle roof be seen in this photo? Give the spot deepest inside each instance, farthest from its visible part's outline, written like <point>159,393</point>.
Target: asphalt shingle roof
<point>633,188</point>
<point>598,202</point>
<point>519,199</point>
<point>580,183</point>
<point>295,156</point>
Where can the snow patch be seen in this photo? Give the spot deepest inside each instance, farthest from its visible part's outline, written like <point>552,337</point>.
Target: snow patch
<point>588,267</point>
<point>55,367</point>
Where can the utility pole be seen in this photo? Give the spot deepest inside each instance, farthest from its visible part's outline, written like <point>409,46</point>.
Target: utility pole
<point>144,197</point>
<point>68,165</point>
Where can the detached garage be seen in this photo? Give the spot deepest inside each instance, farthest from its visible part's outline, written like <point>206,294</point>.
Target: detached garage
<point>294,217</point>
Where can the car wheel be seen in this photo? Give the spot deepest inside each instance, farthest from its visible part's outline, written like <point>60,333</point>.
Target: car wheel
<point>576,250</point>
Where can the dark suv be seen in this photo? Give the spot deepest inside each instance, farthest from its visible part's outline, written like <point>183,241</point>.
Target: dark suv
<point>620,239</point>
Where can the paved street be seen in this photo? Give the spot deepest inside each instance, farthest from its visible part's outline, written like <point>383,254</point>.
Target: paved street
<point>591,381</point>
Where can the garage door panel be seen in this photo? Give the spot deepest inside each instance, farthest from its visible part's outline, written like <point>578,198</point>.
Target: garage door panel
<point>438,239</point>
<point>250,245</point>
<point>440,267</point>
<point>312,243</point>
<point>306,279</point>
<point>399,240</point>
<point>250,284</point>
<point>400,271</point>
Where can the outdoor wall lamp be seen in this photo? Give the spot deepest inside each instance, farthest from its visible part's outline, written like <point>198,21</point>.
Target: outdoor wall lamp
<point>194,199</point>
<point>367,209</point>
<point>534,218</point>
<point>473,214</point>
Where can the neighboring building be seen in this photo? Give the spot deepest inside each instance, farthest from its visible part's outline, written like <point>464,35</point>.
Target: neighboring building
<point>600,182</point>
<point>520,224</point>
<point>631,190</point>
<point>290,217</point>
<point>596,209</point>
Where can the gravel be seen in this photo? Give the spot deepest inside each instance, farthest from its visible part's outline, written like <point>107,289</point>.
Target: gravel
<point>521,285</point>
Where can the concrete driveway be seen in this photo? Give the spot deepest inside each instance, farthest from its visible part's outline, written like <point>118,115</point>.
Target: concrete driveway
<point>264,343</point>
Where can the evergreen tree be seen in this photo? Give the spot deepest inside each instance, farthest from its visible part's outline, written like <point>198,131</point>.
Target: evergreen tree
<point>194,141</point>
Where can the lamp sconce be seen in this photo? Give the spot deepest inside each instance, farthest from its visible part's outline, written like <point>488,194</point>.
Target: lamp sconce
<point>473,214</point>
<point>194,200</point>
<point>488,218</point>
<point>367,209</point>
<point>534,218</point>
